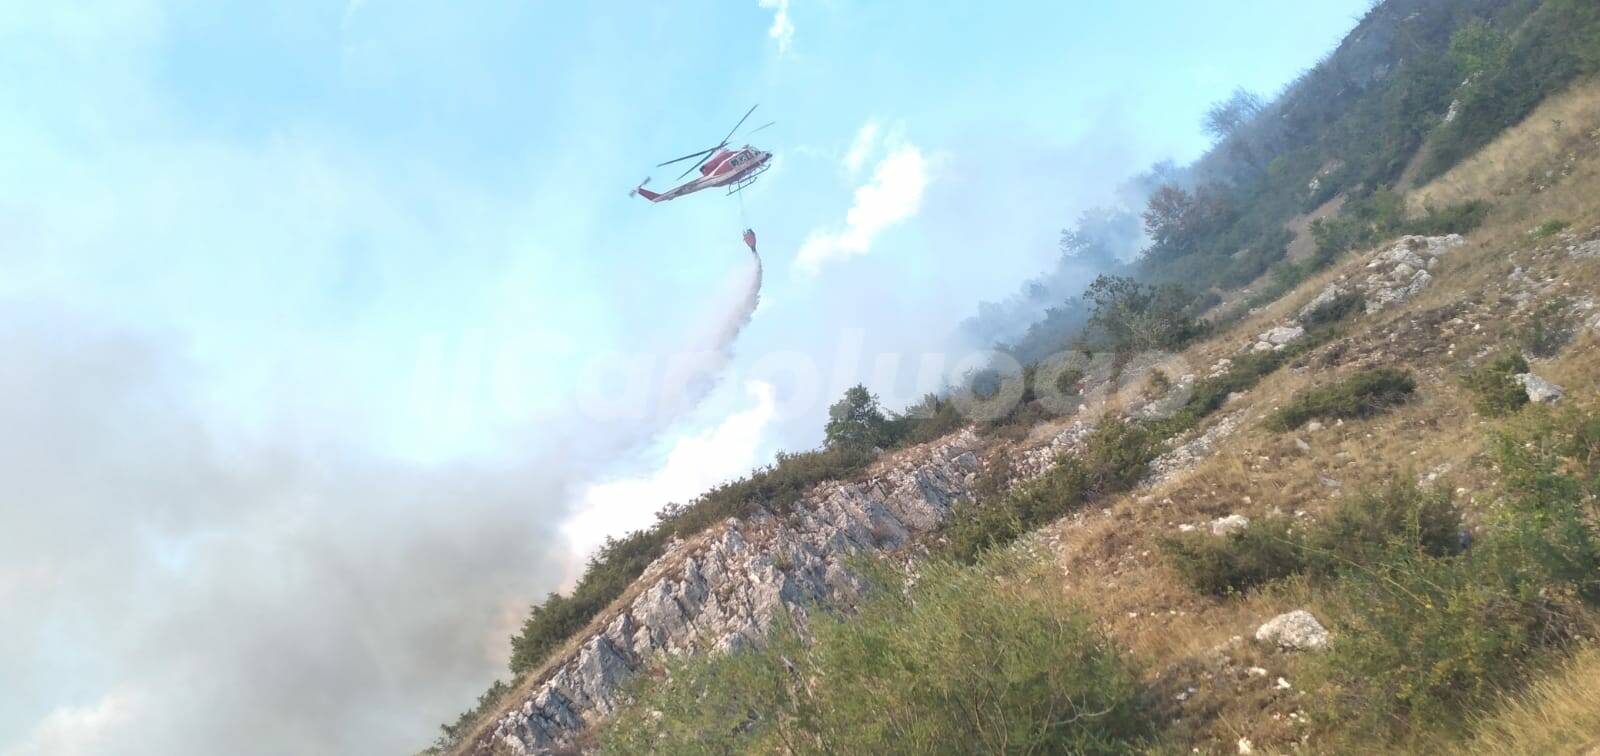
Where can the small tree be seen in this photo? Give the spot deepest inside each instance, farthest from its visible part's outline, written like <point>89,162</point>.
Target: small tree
<point>1167,214</point>
<point>857,421</point>
<point>1130,316</point>
<point>1228,116</point>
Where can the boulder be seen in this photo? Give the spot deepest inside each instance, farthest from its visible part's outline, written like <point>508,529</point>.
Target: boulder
<point>1282,335</point>
<point>1539,389</point>
<point>1295,631</point>
<point>1232,523</point>
<point>1323,299</point>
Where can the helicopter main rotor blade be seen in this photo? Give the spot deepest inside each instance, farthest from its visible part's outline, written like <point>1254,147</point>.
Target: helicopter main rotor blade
<point>758,128</point>
<point>740,123</point>
<point>686,157</point>
<point>701,160</point>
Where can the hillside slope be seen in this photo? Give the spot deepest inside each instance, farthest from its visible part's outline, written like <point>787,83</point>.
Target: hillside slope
<point>1340,393</point>
<point>1512,286</point>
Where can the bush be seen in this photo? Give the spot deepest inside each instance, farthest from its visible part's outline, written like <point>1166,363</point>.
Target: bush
<point>1246,371</point>
<point>1494,386</point>
<point>1367,527</point>
<point>932,418</point>
<point>1361,532</point>
<point>1114,459</point>
<point>1550,329</point>
<point>1511,76</point>
<point>1364,394</point>
<point>1550,228</point>
<point>967,660</point>
<point>1265,550</point>
<point>1334,310</point>
<point>1426,638</point>
<point>1460,218</point>
<point>1129,316</point>
<point>1419,640</point>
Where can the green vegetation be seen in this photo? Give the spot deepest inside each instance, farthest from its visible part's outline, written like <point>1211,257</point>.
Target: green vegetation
<point>856,421</point>
<point>1550,228</point>
<point>1428,632</point>
<point>1360,533</point>
<point>1549,329</point>
<point>1494,386</point>
<point>1509,73</point>
<point>1128,316</point>
<point>1265,550</point>
<point>1244,373</point>
<point>1114,459</point>
<point>932,418</point>
<point>981,659</point>
<point>1425,640</point>
<point>1363,394</point>
<point>1334,310</point>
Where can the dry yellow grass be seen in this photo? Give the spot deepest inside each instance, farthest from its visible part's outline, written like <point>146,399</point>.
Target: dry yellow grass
<point>1528,158</point>
<point>1557,715</point>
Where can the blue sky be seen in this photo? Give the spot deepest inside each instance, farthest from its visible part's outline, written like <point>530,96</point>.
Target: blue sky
<point>371,255</point>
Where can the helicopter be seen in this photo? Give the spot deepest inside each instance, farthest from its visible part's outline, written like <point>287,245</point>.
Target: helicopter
<point>719,166</point>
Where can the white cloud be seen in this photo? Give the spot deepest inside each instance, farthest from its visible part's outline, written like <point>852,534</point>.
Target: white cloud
<point>782,28</point>
<point>865,142</point>
<point>892,196</point>
<point>79,729</point>
<point>695,464</point>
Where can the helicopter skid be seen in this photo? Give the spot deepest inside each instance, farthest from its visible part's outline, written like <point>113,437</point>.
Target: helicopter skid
<point>748,179</point>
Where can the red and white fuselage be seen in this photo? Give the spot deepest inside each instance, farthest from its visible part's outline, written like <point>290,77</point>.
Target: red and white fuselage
<point>734,169</point>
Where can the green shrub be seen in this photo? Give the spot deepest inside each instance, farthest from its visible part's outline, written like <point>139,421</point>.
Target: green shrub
<point>1550,228</point>
<point>1363,394</point>
<point>1420,640</point>
<point>1424,638</point>
<point>1494,386</point>
<point>1265,550</point>
<point>1246,371</point>
<point>1130,316</point>
<point>1361,531</point>
<point>1368,526</point>
<point>1114,458</point>
<point>1460,218</point>
<point>1551,327</point>
<point>967,660</point>
<point>857,421</point>
<point>1334,310</point>
<point>1550,463</point>
<point>932,418</point>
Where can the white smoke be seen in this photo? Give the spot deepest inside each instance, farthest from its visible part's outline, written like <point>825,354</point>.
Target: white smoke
<point>693,373</point>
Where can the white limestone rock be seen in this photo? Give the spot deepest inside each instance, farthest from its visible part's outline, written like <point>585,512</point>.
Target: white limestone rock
<point>1230,524</point>
<point>1540,390</point>
<point>1294,631</point>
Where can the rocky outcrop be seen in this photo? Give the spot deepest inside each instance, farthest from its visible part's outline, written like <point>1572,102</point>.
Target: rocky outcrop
<point>1401,271</point>
<point>1395,274</point>
<point>1186,455</point>
<point>725,590</point>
